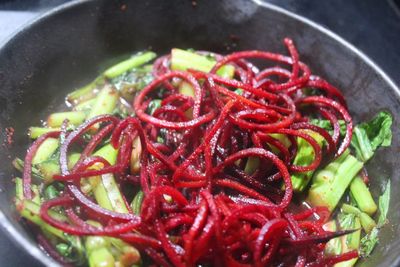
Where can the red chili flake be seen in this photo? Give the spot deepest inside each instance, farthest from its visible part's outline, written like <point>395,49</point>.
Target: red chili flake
<point>10,135</point>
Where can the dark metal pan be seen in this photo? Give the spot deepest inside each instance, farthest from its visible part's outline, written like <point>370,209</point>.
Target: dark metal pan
<point>68,46</point>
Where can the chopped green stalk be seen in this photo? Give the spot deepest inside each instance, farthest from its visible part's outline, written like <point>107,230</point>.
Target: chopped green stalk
<point>366,221</point>
<point>136,204</point>
<point>45,150</point>
<point>133,62</point>
<point>369,241</point>
<point>96,242</point>
<point>74,118</point>
<point>48,169</point>
<point>36,195</point>
<point>186,89</point>
<point>51,167</point>
<point>252,165</point>
<point>18,164</point>
<point>98,252</point>
<point>73,159</point>
<point>30,210</point>
<point>330,183</point>
<point>108,152</point>
<point>146,68</point>
<point>114,194</point>
<point>351,241</point>
<point>130,256</point>
<point>19,192</point>
<point>334,246</point>
<point>362,196</point>
<point>183,60</point>
<point>105,189</point>
<point>98,249</point>
<point>135,156</point>
<point>305,156</point>
<point>100,192</point>
<point>153,105</point>
<point>127,254</point>
<point>87,92</point>
<point>85,105</point>
<point>35,132</point>
<point>283,139</point>
<point>106,102</point>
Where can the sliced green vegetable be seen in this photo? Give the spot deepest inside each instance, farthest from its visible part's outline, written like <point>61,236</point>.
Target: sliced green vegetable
<point>108,152</point>
<point>130,256</point>
<point>105,189</point>
<point>45,150</point>
<point>330,183</point>
<point>30,210</point>
<point>18,164</point>
<point>51,167</point>
<point>362,196</point>
<point>183,60</point>
<point>132,81</point>
<point>35,132</point>
<point>366,221</point>
<point>48,169</point>
<point>334,246</point>
<point>85,105</point>
<point>106,101</point>
<point>133,62</point>
<point>186,89</point>
<point>252,165</point>
<point>113,193</point>
<point>135,155</point>
<point>98,252</point>
<point>87,92</point>
<point>137,202</point>
<point>283,139</point>
<point>19,192</point>
<point>351,241</point>
<point>74,118</point>
<point>369,241</point>
<point>368,136</point>
<point>305,156</point>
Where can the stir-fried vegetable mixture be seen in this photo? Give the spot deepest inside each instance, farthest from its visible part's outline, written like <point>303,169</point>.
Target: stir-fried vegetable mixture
<point>199,159</point>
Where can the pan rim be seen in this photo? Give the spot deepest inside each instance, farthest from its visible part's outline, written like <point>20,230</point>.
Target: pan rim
<point>6,224</point>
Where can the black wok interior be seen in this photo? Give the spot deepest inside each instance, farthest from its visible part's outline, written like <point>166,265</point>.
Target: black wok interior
<point>70,46</point>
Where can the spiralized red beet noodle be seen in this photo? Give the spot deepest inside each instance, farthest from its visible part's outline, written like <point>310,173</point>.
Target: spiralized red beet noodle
<point>217,215</point>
